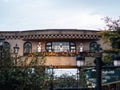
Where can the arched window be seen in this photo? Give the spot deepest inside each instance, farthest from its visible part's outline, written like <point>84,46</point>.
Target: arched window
<point>6,46</point>
<point>27,48</point>
<point>93,46</point>
<point>60,47</point>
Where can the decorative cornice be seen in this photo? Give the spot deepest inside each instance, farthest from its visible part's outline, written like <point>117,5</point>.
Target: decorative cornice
<point>51,34</point>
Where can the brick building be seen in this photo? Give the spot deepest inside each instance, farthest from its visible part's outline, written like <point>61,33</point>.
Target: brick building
<point>61,45</point>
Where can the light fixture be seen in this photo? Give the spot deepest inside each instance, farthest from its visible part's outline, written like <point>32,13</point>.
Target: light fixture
<point>116,60</point>
<point>80,60</point>
<point>16,49</point>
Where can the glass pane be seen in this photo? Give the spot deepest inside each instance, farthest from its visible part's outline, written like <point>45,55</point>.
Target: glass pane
<point>48,47</point>
<point>71,43</point>
<point>27,48</point>
<point>60,46</point>
<point>6,46</point>
<point>93,46</point>
<point>48,43</point>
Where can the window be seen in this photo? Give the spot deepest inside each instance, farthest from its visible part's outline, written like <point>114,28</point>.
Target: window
<point>93,46</point>
<point>72,47</point>
<point>49,47</point>
<point>60,46</point>
<point>27,48</point>
<point>6,46</point>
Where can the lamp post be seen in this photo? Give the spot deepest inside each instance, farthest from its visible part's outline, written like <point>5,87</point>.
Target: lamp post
<point>80,60</point>
<point>16,50</point>
<point>51,77</point>
<point>98,62</point>
<point>1,46</point>
<point>99,66</point>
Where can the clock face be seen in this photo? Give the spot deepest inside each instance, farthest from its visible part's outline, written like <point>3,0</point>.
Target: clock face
<point>93,46</point>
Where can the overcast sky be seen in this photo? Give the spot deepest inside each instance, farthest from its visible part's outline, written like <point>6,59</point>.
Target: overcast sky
<point>19,15</point>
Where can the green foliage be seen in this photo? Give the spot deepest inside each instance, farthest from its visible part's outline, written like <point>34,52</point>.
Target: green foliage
<point>112,33</point>
<point>108,56</point>
<point>65,81</point>
<point>71,81</point>
<point>108,59</point>
<point>24,75</point>
<point>82,79</point>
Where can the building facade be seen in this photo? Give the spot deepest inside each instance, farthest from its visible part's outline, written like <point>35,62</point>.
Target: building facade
<point>60,45</point>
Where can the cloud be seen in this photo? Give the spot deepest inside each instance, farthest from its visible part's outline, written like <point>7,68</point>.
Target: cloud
<point>44,14</point>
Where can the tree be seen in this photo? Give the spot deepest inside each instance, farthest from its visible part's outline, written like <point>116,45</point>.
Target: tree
<point>82,79</point>
<point>111,35</point>
<point>24,76</point>
<point>65,81</point>
<point>71,81</point>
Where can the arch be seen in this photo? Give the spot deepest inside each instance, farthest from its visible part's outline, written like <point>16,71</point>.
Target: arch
<point>27,48</point>
<point>6,46</point>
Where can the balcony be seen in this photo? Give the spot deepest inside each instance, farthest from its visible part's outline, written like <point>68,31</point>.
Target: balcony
<point>63,59</point>
<point>68,54</point>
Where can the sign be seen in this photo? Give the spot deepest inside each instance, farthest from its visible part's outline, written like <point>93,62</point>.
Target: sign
<point>110,76</point>
<point>107,75</point>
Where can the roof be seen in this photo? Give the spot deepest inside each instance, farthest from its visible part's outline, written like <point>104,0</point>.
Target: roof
<point>51,34</point>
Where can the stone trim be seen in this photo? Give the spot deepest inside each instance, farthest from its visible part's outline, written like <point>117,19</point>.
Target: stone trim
<point>51,34</point>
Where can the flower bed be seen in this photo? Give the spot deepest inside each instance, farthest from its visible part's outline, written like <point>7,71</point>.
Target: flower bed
<point>53,53</point>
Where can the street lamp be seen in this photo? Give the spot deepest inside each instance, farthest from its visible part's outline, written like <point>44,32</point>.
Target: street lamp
<point>51,77</point>
<point>1,46</point>
<point>99,66</point>
<point>16,50</point>
<point>99,63</point>
<point>80,61</point>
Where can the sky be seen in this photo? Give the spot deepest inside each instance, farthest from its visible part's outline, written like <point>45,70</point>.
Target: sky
<point>20,15</point>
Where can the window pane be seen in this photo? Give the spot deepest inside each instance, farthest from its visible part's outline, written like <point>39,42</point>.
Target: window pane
<point>61,46</point>
<point>49,43</point>
<point>93,46</point>
<point>48,47</point>
<point>6,46</point>
<point>71,43</point>
<point>27,48</point>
